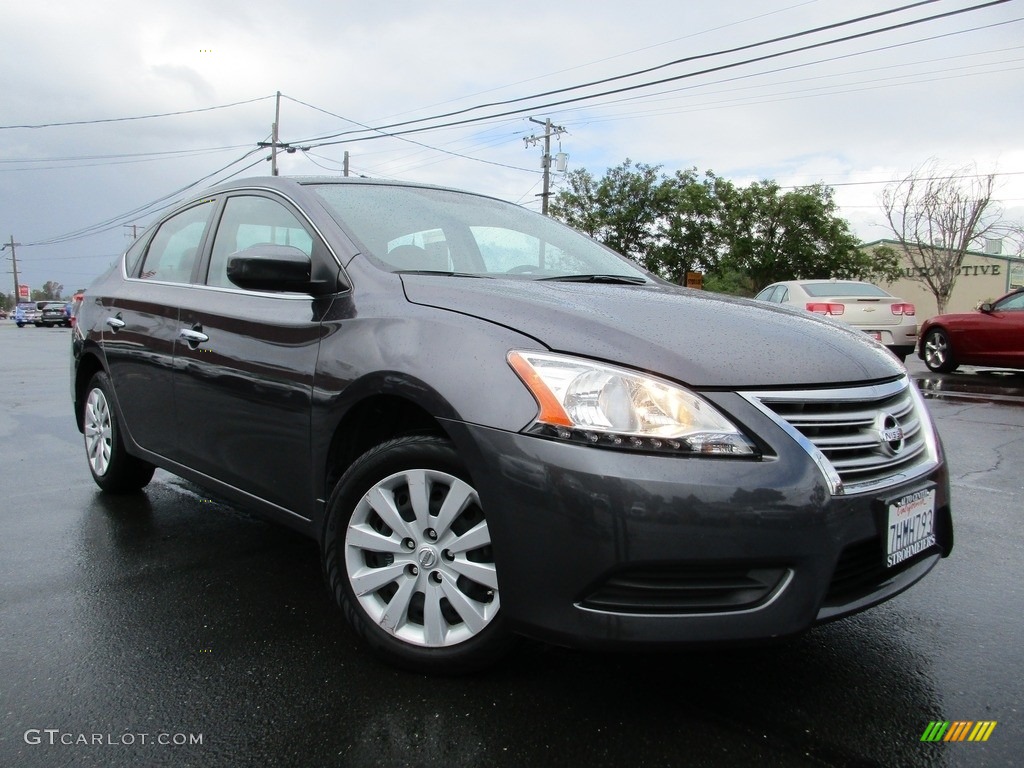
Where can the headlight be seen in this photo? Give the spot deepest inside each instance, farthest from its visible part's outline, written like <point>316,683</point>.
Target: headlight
<point>614,407</point>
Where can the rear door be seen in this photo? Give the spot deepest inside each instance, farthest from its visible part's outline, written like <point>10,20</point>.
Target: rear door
<point>140,326</point>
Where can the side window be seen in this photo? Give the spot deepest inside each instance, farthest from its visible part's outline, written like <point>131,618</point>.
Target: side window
<point>1011,304</point>
<point>783,296</point>
<point>134,256</point>
<point>771,293</point>
<point>175,247</point>
<point>249,221</point>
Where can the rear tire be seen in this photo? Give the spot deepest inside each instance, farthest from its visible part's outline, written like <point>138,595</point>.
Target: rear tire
<point>407,556</point>
<point>111,466</point>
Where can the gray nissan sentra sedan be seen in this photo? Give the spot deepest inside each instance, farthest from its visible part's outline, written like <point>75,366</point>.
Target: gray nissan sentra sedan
<point>494,426</point>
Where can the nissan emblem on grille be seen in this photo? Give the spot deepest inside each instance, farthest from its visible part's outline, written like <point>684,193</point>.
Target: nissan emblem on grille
<point>890,433</point>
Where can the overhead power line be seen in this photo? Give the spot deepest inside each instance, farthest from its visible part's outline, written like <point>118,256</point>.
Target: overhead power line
<point>672,95</point>
<point>146,209</point>
<point>648,84</point>
<point>136,117</point>
<point>382,134</point>
<point>136,161</point>
<point>614,56</point>
<point>897,181</point>
<point>675,62</point>
<point>123,155</point>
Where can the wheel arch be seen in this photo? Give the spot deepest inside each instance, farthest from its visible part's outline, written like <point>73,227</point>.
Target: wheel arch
<point>370,422</point>
<point>87,365</point>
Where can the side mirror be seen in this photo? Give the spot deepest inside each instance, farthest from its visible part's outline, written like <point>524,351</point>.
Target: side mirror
<point>986,307</point>
<point>271,268</point>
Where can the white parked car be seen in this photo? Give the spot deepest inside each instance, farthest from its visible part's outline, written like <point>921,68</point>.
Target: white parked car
<point>887,318</point>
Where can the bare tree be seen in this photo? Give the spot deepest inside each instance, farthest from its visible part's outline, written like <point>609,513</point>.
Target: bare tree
<point>937,216</point>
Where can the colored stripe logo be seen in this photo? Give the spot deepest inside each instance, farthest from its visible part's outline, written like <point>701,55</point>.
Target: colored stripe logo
<point>958,730</point>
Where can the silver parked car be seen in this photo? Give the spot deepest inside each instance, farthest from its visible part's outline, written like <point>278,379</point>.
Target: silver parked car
<point>886,318</point>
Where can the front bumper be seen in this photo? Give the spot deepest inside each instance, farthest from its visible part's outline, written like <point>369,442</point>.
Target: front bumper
<point>603,548</point>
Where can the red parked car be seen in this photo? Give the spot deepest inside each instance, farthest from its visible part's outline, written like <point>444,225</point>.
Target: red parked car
<point>993,335</point>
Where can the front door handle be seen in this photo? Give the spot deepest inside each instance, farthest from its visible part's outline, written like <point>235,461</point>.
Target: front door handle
<point>192,336</point>
<point>116,323</point>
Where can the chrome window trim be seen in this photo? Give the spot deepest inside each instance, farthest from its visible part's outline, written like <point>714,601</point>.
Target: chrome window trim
<point>229,193</point>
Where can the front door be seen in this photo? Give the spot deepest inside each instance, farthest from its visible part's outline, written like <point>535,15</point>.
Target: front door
<point>244,374</point>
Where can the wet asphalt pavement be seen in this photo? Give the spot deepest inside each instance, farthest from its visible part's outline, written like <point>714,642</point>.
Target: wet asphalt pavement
<point>129,625</point>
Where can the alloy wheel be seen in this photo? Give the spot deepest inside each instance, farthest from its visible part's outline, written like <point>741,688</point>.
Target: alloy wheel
<point>98,431</point>
<point>936,350</point>
<point>418,558</point>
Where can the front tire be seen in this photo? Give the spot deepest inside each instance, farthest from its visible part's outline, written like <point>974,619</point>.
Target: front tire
<point>407,555</point>
<point>111,466</point>
<point>938,353</point>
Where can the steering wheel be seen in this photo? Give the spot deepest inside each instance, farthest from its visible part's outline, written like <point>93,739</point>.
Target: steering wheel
<point>521,269</point>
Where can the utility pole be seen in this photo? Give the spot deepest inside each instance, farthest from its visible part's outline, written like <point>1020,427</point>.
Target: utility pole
<point>549,131</point>
<point>275,142</point>
<point>14,260</point>
<point>346,162</point>
<point>274,135</point>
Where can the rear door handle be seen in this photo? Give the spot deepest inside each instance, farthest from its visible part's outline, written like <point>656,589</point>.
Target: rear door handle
<point>116,323</point>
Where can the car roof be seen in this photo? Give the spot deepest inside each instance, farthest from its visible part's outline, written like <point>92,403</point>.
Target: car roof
<point>286,183</point>
<point>825,280</point>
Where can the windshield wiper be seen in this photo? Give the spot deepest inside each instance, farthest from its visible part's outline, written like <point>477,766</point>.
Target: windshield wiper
<point>446,273</point>
<point>617,279</point>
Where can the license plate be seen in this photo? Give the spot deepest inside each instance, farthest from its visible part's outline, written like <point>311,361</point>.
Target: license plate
<point>911,526</point>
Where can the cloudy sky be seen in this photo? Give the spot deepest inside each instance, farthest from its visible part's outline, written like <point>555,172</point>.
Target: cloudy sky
<point>110,110</point>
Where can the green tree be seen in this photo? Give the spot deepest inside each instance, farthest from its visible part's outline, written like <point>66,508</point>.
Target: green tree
<point>741,238</point>
<point>576,203</point>
<point>773,235</point>
<point>620,210</point>
<point>689,226</point>
<point>50,291</point>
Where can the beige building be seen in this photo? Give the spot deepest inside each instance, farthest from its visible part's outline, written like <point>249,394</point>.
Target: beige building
<point>983,277</point>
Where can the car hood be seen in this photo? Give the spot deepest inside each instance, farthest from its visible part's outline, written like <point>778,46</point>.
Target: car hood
<point>952,318</point>
<point>698,338</point>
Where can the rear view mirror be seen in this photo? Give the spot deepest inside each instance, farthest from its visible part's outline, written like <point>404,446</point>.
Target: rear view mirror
<point>271,268</point>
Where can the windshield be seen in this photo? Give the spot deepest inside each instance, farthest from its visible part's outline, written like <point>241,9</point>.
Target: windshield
<point>416,229</point>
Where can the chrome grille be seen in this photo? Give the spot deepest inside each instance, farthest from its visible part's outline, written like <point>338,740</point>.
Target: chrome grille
<point>863,438</point>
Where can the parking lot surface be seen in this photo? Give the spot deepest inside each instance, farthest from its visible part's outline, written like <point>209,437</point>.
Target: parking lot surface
<point>170,628</point>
